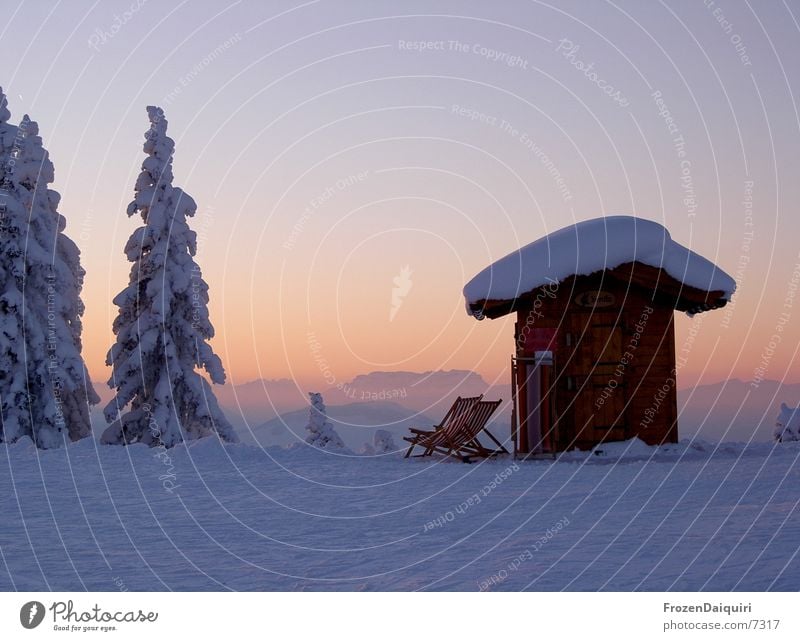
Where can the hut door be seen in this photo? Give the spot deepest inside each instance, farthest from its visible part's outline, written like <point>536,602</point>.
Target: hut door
<point>599,416</point>
<point>537,386</point>
<point>533,385</point>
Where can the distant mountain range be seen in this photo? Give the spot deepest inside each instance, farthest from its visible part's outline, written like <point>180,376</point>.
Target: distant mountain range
<point>733,410</point>
<point>269,410</point>
<point>387,400</point>
<point>423,391</point>
<point>356,423</point>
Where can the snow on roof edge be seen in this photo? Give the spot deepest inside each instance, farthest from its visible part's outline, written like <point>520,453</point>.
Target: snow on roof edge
<point>590,246</point>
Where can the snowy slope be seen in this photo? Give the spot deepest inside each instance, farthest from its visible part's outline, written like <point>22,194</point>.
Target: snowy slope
<point>236,517</point>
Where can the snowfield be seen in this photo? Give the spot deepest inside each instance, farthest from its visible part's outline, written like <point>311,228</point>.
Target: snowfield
<point>209,516</point>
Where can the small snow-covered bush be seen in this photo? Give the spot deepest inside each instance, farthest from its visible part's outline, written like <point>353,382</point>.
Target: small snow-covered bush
<point>384,442</point>
<point>787,425</point>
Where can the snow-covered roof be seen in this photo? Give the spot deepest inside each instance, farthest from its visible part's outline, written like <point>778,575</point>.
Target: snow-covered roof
<point>588,247</point>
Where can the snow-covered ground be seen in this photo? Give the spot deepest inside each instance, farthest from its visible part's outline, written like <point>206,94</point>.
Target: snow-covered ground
<point>217,517</point>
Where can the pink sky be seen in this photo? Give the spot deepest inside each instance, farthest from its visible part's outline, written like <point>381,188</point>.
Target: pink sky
<point>328,150</point>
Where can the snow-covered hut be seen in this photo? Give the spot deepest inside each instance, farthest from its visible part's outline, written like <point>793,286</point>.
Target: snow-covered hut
<point>594,357</point>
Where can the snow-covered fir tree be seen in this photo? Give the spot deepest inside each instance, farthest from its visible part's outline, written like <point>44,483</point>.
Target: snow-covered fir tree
<point>320,432</point>
<point>45,391</point>
<point>163,326</point>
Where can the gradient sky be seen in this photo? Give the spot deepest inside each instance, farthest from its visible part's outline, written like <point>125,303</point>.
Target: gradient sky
<point>326,154</point>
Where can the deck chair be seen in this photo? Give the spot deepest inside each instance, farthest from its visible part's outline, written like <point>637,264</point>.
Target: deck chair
<point>465,444</point>
<point>450,424</point>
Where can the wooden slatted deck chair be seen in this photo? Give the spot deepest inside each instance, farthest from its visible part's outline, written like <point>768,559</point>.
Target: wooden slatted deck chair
<point>465,444</point>
<point>450,424</point>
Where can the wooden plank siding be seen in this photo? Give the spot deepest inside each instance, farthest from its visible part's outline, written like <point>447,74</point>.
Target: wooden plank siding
<point>609,383</point>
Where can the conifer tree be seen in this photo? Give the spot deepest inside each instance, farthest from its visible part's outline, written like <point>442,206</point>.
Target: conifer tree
<point>163,327</point>
<point>45,391</point>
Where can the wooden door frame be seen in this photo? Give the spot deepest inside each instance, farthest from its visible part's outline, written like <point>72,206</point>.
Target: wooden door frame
<point>518,370</point>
